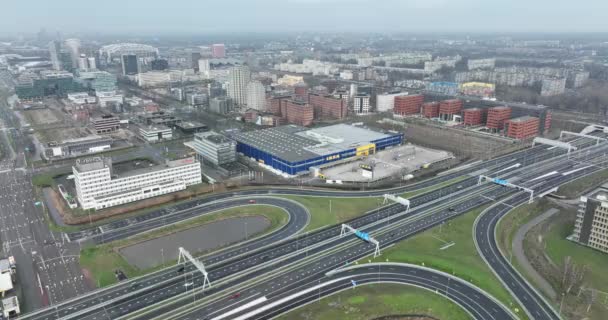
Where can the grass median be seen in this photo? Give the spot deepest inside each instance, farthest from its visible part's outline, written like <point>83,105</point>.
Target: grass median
<point>101,261</point>
<point>461,259</point>
<point>377,300</point>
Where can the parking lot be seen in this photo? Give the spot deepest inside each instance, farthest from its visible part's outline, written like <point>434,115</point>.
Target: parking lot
<point>400,160</point>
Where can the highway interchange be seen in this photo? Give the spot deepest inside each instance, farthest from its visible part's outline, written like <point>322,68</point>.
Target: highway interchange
<point>122,299</point>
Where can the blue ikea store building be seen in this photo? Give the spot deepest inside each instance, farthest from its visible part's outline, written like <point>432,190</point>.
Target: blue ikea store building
<point>294,149</point>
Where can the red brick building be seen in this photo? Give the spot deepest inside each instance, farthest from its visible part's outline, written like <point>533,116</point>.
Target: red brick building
<point>430,109</point>
<point>522,128</point>
<point>301,91</point>
<point>277,104</point>
<point>473,116</point>
<point>298,112</point>
<point>448,108</point>
<point>326,106</point>
<point>406,105</point>
<point>547,122</point>
<point>497,117</point>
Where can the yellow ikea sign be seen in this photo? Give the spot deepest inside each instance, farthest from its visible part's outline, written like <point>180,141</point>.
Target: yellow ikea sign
<point>366,150</point>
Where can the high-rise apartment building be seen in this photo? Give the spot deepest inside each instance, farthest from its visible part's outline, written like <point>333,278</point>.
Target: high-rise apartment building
<point>73,47</point>
<point>204,67</point>
<point>130,64</point>
<point>54,53</point>
<point>238,80</point>
<point>218,50</point>
<point>256,96</point>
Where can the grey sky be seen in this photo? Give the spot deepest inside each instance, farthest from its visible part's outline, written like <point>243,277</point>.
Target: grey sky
<point>199,16</point>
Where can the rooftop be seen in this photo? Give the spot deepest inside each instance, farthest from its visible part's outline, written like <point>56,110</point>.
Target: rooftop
<point>523,119</point>
<point>190,125</point>
<point>154,128</point>
<point>294,143</point>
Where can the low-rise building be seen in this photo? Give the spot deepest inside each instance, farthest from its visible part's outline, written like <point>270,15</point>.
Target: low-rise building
<point>79,146</point>
<point>522,128</point>
<point>154,133</point>
<point>213,148</point>
<point>105,124</point>
<point>99,187</point>
<point>81,98</point>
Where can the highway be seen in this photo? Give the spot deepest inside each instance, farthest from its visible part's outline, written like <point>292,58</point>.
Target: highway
<point>336,260</point>
<point>472,299</point>
<point>164,276</point>
<point>484,234</point>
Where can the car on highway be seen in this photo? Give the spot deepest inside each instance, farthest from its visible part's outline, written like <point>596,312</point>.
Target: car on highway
<point>251,201</point>
<point>235,296</point>
<point>188,284</point>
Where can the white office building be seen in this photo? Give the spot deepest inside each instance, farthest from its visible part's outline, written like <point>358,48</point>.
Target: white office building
<point>155,133</point>
<point>213,147</point>
<point>204,68</point>
<point>256,96</point>
<point>238,80</point>
<point>386,102</point>
<point>361,104</point>
<point>98,187</point>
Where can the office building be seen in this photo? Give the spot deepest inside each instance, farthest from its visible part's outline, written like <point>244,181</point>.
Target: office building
<point>293,149</point>
<point>327,106</point>
<point>473,116</point>
<point>83,63</point>
<point>105,124</point>
<point>238,80</point>
<point>442,87</point>
<point>159,118</point>
<point>218,50</point>
<point>79,146</point>
<point>98,81</point>
<point>213,148</point>
<point>449,108</point>
<point>204,68</point>
<point>256,96</point>
<point>100,185</point>
<point>591,225</point>
<point>522,128</point>
<point>109,98</point>
<point>130,64</point>
<point>46,83</point>
<point>81,98</point>
<point>408,105</point>
<point>361,104</point>
<point>155,133</point>
<point>430,110</point>
<point>497,117</point>
<point>386,102</point>
<point>298,112</point>
<point>221,105</point>
<point>278,104</point>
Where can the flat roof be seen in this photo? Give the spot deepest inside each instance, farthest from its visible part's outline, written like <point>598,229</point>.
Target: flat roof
<point>522,119</point>
<point>6,282</point>
<point>295,143</point>
<point>156,127</point>
<point>280,141</point>
<point>190,125</point>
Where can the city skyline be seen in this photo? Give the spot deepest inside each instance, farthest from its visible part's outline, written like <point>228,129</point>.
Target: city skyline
<point>187,16</point>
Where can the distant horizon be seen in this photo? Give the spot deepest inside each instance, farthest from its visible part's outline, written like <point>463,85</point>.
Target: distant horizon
<point>143,17</point>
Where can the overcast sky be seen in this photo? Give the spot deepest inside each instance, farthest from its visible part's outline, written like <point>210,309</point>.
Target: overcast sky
<point>200,16</point>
